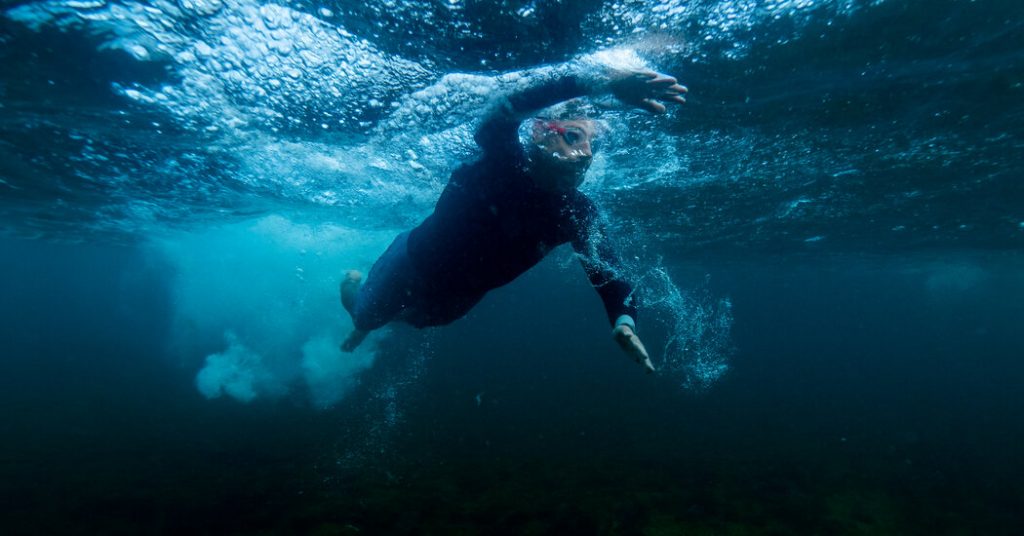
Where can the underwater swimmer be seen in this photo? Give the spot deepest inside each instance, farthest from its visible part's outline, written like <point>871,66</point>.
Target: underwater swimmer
<point>502,214</point>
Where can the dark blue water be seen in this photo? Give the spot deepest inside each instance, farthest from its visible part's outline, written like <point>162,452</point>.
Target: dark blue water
<point>828,235</point>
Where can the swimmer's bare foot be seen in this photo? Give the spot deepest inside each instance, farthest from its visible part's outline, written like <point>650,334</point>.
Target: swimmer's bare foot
<point>354,340</point>
<point>349,289</point>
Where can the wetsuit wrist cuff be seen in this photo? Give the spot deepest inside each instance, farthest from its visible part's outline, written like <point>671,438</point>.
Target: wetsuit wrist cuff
<point>625,320</point>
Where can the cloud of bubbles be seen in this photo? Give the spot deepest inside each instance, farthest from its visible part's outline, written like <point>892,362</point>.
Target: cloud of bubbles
<point>257,311</point>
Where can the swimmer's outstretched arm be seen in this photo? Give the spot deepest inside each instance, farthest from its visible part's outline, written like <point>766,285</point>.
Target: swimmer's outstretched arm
<point>600,261</point>
<point>527,92</point>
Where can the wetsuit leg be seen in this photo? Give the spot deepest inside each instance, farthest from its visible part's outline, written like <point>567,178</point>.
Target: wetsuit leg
<point>396,291</point>
<point>441,309</point>
<point>388,290</point>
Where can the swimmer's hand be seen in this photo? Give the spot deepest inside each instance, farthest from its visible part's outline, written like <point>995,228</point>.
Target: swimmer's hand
<point>630,343</point>
<point>644,88</point>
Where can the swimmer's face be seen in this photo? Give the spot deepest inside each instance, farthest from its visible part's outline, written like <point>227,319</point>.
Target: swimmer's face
<point>561,152</point>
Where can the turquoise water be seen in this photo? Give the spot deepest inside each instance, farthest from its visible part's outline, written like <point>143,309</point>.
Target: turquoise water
<point>827,236</point>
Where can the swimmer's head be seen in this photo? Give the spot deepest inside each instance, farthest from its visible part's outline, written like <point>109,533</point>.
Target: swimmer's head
<point>560,152</point>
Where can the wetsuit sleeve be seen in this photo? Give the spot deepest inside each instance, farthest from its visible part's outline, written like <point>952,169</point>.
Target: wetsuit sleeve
<point>529,92</point>
<point>601,261</point>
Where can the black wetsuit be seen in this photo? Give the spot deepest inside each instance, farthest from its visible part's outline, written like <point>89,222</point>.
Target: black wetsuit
<point>491,224</point>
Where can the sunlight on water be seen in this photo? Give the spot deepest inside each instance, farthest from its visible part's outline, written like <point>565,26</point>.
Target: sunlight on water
<point>243,64</point>
<point>348,106</point>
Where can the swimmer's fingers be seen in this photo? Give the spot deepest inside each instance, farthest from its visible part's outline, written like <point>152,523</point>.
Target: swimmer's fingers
<point>676,89</point>
<point>652,106</point>
<point>673,98</point>
<point>660,80</point>
<point>673,92</point>
<point>662,87</point>
<point>645,88</point>
<point>631,345</point>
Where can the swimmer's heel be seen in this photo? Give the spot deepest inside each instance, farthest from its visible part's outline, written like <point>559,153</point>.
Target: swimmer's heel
<point>350,288</point>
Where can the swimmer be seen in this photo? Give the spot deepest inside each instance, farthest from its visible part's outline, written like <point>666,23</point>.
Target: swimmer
<point>499,216</point>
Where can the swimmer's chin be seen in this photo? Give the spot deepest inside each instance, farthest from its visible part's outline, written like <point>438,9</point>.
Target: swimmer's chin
<point>563,183</point>
<point>561,176</point>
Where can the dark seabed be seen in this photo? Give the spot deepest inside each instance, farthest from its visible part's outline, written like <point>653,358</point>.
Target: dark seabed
<point>829,238</point>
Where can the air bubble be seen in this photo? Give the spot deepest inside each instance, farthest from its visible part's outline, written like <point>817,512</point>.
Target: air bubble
<point>201,7</point>
<point>139,52</point>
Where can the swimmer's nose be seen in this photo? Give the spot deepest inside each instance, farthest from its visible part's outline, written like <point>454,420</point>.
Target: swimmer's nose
<point>583,152</point>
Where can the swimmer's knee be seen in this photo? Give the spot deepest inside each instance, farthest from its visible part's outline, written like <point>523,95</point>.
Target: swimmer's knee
<point>365,318</point>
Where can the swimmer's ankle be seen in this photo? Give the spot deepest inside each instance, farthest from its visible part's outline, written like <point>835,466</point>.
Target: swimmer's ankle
<point>354,340</point>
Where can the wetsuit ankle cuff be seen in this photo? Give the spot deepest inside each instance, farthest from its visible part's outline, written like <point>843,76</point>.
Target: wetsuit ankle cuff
<point>625,320</point>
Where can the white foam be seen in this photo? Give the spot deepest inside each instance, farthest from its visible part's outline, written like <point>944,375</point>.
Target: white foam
<point>237,372</point>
